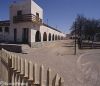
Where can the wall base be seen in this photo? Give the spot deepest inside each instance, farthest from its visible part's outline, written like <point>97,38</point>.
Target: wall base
<point>40,44</point>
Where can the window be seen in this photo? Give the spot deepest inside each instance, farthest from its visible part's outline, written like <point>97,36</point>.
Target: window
<point>0,29</point>
<point>6,29</point>
<point>19,12</point>
<point>37,15</point>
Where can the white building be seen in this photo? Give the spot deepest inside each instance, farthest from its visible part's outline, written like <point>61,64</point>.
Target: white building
<point>26,25</point>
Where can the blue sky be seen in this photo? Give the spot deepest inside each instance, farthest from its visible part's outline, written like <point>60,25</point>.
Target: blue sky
<point>60,13</point>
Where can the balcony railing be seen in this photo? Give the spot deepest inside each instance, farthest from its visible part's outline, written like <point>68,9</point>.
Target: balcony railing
<point>27,18</point>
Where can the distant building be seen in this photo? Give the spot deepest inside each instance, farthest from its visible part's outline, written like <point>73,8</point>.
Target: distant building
<point>26,25</point>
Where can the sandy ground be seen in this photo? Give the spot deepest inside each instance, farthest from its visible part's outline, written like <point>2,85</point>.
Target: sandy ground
<point>77,70</point>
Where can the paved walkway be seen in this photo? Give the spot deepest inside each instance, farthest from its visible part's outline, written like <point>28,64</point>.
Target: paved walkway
<point>73,68</point>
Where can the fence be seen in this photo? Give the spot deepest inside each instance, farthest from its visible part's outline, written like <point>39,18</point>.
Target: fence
<point>20,72</point>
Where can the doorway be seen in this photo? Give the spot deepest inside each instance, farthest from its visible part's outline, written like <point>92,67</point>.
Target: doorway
<point>25,35</point>
<point>38,36</point>
<point>15,35</point>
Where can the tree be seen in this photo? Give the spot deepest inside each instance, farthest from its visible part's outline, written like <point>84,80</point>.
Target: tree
<point>79,23</point>
<point>85,28</point>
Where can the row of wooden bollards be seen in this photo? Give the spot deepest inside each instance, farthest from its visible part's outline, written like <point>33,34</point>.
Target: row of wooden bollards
<point>25,73</point>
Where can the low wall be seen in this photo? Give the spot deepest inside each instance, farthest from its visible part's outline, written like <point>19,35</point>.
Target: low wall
<point>41,44</point>
<point>21,48</point>
<point>11,47</point>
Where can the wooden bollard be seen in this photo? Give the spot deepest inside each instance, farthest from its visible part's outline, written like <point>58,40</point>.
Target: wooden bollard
<point>10,62</point>
<point>6,56</point>
<point>10,59</point>
<point>35,75</point>
<point>18,80</point>
<point>3,54</point>
<point>56,80</point>
<point>42,75</point>
<point>15,64</point>
<point>61,82</point>
<point>13,77</point>
<point>30,71</point>
<point>49,77</point>
<point>19,65</point>
<point>3,51</point>
<point>26,69</point>
<point>22,67</point>
<point>13,61</point>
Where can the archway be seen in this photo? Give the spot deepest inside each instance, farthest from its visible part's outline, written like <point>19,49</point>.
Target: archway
<point>58,37</point>
<point>62,38</point>
<point>44,36</point>
<point>49,37</point>
<point>38,36</point>
<point>53,37</point>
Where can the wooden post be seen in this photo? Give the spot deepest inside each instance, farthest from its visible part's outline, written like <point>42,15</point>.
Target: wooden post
<point>18,70</point>
<point>22,72</point>
<point>19,65</point>
<point>9,68</point>
<point>30,71</point>
<point>61,82</point>
<point>22,83</point>
<point>25,82</point>
<point>41,75</point>
<point>26,73</point>
<point>13,77</point>
<point>12,67</point>
<point>56,80</point>
<point>18,80</point>
<point>22,67</point>
<point>15,63</point>
<point>26,69</point>
<point>35,73</point>
<point>49,77</point>
<point>30,74</point>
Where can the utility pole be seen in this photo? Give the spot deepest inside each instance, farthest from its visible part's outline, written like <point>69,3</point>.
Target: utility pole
<point>75,41</point>
<point>47,21</point>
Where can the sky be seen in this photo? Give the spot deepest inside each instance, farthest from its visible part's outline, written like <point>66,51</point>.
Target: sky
<point>59,13</point>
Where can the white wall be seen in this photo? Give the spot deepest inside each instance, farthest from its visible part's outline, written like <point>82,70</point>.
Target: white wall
<point>43,29</point>
<point>36,9</point>
<point>19,27</point>
<point>27,7</point>
<point>50,30</point>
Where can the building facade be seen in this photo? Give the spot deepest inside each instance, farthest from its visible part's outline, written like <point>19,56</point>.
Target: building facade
<point>26,25</point>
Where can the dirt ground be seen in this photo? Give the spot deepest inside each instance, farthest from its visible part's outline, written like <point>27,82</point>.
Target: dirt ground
<point>76,70</point>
